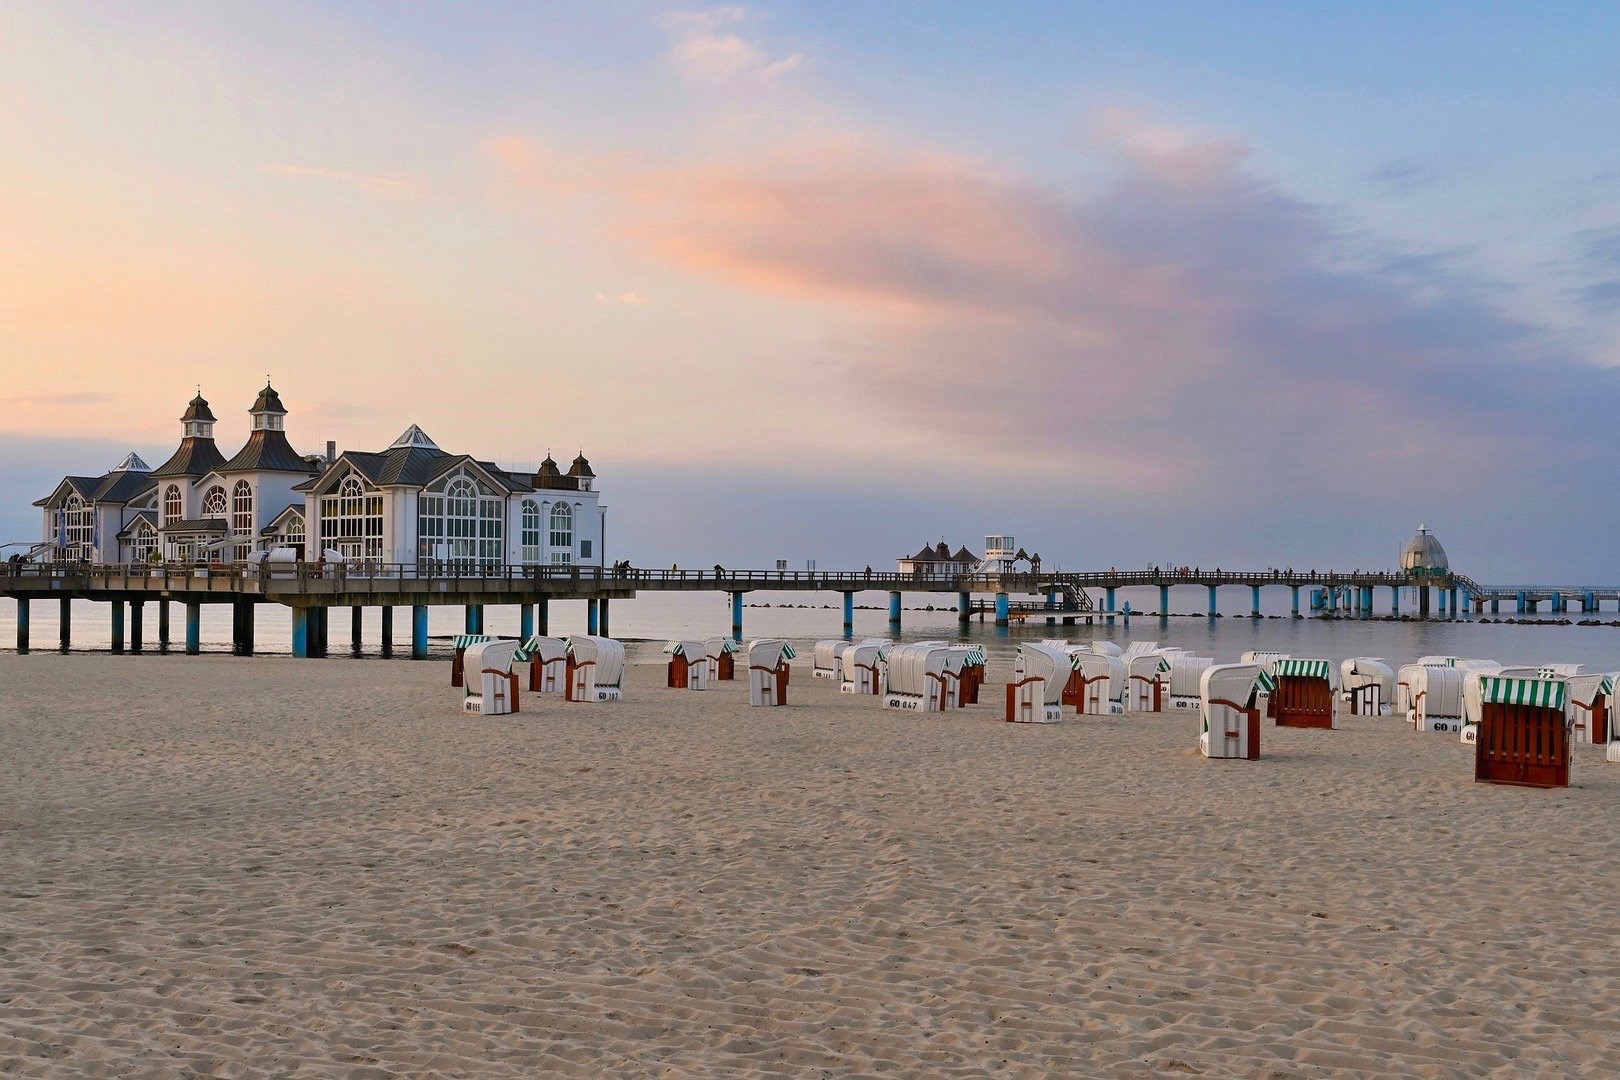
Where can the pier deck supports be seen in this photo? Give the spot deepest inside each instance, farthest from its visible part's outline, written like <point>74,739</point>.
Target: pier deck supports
<point>1423,602</point>
<point>603,623</point>
<point>894,609</point>
<point>1213,609</point>
<point>194,627</point>
<point>242,627</point>
<point>593,616</point>
<point>1293,599</point>
<point>1254,602</point>
<point>387,632</point>
<point>137,608</point>
<point>475,619</point>
<point>163,626</point>
<point>1109,604</point>
<point>419,632</point>
<point>1164,601</point>
<point>118,627</point>
<point>64,626</point>
<point>1496,606</point>
<point>22,626</point>
<point>1455,610</point>
<point>849,614</point>
<point>1003,609</point>
<point>355,635</point>
<point>322,617</point>
<point>300,630</point>
<point>964,608</point>
<point>525,621</point>
<point>1394,599</point>
<point>736,616</point>
<point>542,616</point>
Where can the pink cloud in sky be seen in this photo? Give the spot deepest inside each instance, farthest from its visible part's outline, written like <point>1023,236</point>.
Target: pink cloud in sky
<point>1184,320</point>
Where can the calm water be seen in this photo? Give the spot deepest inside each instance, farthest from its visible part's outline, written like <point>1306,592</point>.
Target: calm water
<point>657,617</point>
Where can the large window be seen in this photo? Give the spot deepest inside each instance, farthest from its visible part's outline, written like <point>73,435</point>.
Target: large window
<point>142,542</point>
<point>562,534</point>
<point>173,508</point>
<point>213,505</point>
<point>78,528</point>
<point>459,524</point>
<point>351,520</point>
<point>531,532</point>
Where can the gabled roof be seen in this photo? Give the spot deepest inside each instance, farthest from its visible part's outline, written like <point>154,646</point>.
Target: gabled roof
<point>964,555</point>
<point>145,517</point>
<point>414,466</point>
<point>194,457</point>
<point>84,486</point>
<point>280,521</point>
<point>927,554</point>
<point>123,487</point>
<point>266,451</point>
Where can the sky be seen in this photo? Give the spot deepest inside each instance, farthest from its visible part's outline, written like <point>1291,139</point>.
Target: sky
<point>1241,284</point>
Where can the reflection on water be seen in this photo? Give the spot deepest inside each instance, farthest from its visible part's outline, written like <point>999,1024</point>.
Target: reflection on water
<point>658,616</point>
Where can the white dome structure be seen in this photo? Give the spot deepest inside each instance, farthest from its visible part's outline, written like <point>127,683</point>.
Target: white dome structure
<point>1423,555</point>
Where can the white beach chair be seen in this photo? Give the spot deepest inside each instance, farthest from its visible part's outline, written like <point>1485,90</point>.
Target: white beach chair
<point>491,684</point>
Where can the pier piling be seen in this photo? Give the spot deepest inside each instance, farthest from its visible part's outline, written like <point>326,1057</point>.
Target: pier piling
<point>419,632</point>
<point>602,621</point>
<point>300,630</point>
<point>525,621</point>
<point>736,616</point>
<point>1213,609</point>
<point>849,614</point>
<point>64,626</point>
<point>894,610</point>
<point>1294,599</point>
<point>1003,609</point>
<point>136,609</point>
<point>1164,601</point>
<point>387,632</point>
<point>163,626</point>
<point>1109,604</point>
<point>118,627</point>
<point>1254,602</point>
<point>355,630</point>
<point>593,617</point>
<point>194,628</point>
<point>22,626</point>
<point>542,616</point>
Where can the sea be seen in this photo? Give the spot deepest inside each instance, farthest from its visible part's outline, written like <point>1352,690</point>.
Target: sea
<point>651,619</point>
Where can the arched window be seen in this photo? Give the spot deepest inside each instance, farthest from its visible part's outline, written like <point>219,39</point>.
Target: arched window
<point>351,520</point>
<point>142,541</point>
<point>562,534</point>
<point>213,504</point>
<point>78,528</point>
<point>459,523</point>
<point>531,532</point>
<point>242,508</point>
<point>294,533</point>
<point>173,508</point>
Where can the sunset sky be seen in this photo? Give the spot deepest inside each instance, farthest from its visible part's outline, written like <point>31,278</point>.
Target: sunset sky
<point>1227,284</point>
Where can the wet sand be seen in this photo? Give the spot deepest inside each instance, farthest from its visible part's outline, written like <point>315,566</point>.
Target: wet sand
<point>212,866</point>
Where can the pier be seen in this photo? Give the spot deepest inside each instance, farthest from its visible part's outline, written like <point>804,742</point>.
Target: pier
<point>312,590</point>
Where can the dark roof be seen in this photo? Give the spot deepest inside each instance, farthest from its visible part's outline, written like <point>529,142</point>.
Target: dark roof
<point>84,485</point>
<point>927,554</point>
<point>964,555</point>
<point>581,468</point>
<point>267,451</point>
<point>193,525</point>
<point>268,401</point>
<point>198,410</point>
<point>194,458</point>
<point>145,515</point>
<point>549,468</point>
<point>416,466</point>
<point>123,487</point>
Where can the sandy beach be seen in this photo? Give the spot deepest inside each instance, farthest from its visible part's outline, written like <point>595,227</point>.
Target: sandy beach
<point>268,867</point>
